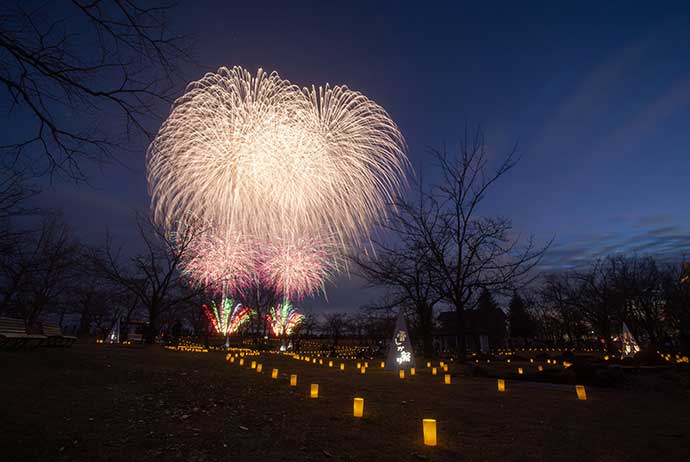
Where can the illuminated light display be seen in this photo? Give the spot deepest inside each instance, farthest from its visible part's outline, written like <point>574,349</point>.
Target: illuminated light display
<point>363,370</point>
<point>429,431</point>
<point>540,368</point>
<point>253,365</point>
<point>400,353</point>
<point>401,373</point>
<point>314,390</point>
<point>241,361</point>
<point>293,380</point>
<point>501,385</point>
<point>342,366</point>
<point>520,371</point>
<point>428,364</point>
<point>259,367</point>
<point>383,364</point>
<point>581,392</point>
<point>434,371</point>
<point>330,363</point>
<point>274,373</point>
<point>358,407</point>
<point>446,379</point>
<point>412,371</point>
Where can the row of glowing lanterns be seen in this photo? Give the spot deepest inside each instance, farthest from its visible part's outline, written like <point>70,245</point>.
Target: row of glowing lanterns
<point>428,425</point>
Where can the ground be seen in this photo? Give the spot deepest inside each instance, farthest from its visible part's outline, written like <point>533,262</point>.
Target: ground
<point>128,403</point>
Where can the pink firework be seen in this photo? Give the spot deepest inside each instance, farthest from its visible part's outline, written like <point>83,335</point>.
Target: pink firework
<point>297,267</point>
<point>224,265</point>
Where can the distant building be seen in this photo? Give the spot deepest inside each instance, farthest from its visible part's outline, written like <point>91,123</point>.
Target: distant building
<point>485,329</point>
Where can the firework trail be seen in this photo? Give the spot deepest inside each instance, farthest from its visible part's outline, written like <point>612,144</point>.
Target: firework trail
<point>283,319</point>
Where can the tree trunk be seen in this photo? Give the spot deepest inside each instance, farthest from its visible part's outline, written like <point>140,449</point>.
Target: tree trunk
<point>461,347</point>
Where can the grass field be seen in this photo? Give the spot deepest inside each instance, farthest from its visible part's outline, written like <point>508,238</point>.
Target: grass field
<point>119,403</point>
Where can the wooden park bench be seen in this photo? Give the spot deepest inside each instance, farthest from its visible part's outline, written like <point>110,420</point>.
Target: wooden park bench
<point>13,334</point>
<point>55,337</point>
<point>135,338</point>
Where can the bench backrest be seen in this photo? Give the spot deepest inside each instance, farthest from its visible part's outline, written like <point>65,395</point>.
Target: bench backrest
<point>134,337</point>
<point>51,330</point>
<point>12,326</point>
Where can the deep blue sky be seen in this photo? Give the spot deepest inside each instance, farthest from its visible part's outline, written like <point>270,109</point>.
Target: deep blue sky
<point>597,96</point>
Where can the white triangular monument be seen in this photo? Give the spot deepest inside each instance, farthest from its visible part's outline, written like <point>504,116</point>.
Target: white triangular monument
<point>628,343</point>
<point>400,354</point>
<point>114,334</point>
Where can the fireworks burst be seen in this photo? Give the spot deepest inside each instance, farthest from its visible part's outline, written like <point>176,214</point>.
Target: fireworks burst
<point>283,319</point>
<point>297,173</point>
<point>227,318</point>
<point>223,265</point>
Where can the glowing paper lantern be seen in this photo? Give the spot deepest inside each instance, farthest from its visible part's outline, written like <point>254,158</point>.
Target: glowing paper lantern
<point>383,364</point>
<point>330,363</point>
<point>293,380</point>
<point>363,370</point>
<point>253,364</point>
<point>531,360</point>
<point>433,371</point>
<point>259,367</point>
<point>321,362</point>
<point>366,364</point>
<point>429,429</point>
<point>581,393</point>
<point>520,371</point>
<point>508,360</point>
<point>447,379</point>
<point>402,373</point>
<point>232,360</point>
<point>412,371</point>
<point>501,385</point>
<point>358,407</point>
<point>540,368</point>
<point>342,366</point>
<point>274,374</point>
<point>445,368</point>
<point>314,391</point>
<point>359,365</point>
<point>428,364</point>
<point>241,361</point>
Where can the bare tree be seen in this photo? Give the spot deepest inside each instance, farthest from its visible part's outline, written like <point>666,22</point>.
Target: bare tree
<point>84,60</point>
<point>335,325</point>
<point>153,276</point>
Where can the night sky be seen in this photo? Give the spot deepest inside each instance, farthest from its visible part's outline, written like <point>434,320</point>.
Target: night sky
<point>597,96</point>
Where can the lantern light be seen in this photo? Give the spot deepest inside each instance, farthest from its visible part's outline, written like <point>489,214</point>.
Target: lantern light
<point>401,373</point>
<point>274,374</point>
<point>259,367</point>
<point>358,407</point>
<point>253,364</point>
<point>520,371</point>
<point>342,366</point>
<point>581,393</point>
<point>330,363</point>
<point>363,370</point>
<point>433,371</point>
<point>428,364</point>
<point>314,391</point>
<point>241,361</point>
<point>412,371</point>
<point>501,385</point>
<point>447,379</point>
<point>429,429</point>
<point>293,380</point>
<point>383,364</point>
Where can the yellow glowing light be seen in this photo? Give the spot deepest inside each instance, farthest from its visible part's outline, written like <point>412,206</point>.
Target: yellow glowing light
<point>253,364</point>
<point>402,373</point>
<point>433,371</point>
<point>501,385</point>
<point>358,407</point>
<point>445,368</point>
<point>359,365</point>
<point>330,363</point>
<point>342,366</point>
<point>232,360</point>
<point>581,393</point>
<point>447,379</point>
<point>383,364</point>
<point>363,370</point>
<point>412,371</point>
<point>429,429</point>
<point>274,374</point>
<point>540,368</point>
<point>321,362</point>
<point>520,371</point>
<point>531,360</point>
<point>366,364</point>
<point>314,391</point>
<point>241,361</point>
<point>259,367</point>
<point>428,364</point>
<point>293,380</point>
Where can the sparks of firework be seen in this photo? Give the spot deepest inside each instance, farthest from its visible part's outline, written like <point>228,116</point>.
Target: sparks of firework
<point>297,267</point>
<point>228,317</point>
<point>220,264</point>
<point>283,319</point>
<point>257,155</point>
